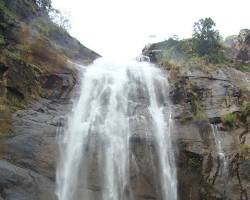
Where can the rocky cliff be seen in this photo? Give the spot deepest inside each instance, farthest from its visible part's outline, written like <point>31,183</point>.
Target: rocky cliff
<point>205,95</point>
<point>36,80</point>
<point>36,84</point>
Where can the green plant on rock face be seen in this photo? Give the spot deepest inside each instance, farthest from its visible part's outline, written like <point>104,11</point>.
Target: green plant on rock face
<point>13,54</point>
<point>245,112</point>
<point>199,113</point>
<point>196,60</point>
<point>10,16</point>
<point>229,120</point>
<point>16,103</point>
<point>244,151</point>
<point>244,68</point>
<point>246,108</point>
<point>2,41</point>
<point>41,24</point>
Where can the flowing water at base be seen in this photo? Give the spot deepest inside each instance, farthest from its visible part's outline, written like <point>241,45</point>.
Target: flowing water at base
<point>96,140</point>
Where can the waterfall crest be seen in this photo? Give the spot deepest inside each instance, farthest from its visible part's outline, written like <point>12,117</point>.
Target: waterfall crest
<point>115,98</point>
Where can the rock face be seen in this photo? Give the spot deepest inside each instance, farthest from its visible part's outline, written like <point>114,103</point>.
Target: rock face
<point>36,87</point>
<point>32,148</point>
<point>37,78</point>
<point>239,46</point>
<point>244,45</point>
<point>28,153</point>
<point>19,183</point>
<point>205,94</point>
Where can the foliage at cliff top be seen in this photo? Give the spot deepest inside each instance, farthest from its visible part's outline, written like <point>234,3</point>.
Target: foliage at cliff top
<point>45,5</point>
<point>206,40</point>
<point>55,15</point>
<point>205,47</point>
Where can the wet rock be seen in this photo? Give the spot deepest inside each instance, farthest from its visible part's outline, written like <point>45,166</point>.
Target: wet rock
<point>33,143</point>
<point>23,184</point>
<point>144,177</point>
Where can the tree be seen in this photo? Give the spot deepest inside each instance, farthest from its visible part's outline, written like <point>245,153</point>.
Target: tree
<point>206,39</point>
<point>45,5</point>
<point>61,19</point>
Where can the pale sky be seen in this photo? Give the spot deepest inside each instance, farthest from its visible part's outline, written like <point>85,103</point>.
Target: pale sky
<point>123,27</point>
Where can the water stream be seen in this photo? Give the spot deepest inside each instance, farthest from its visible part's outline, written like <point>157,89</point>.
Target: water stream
<point>221,157</point>
<point>96,143</point>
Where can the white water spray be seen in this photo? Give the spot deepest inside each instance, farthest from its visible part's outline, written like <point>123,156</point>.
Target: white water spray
<point>98,133</point>
<point>220,151</point>
<point>221,156</point>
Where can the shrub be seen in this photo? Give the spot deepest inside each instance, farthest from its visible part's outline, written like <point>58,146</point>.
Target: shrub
<point>244,150</point>
<point>199,113</point>
<point>244,68</point>
<point>229,120</point>
<point>245,110</point>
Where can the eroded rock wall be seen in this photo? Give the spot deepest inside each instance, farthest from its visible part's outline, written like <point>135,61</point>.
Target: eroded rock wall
<point>36,84</point>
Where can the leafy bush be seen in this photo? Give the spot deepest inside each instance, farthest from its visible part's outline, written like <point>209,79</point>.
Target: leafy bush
<point>244,68</point>
<point>244,150</point>
<point>246,108</point>
<point>41,24</point>
<point>229,120</point>
<point>246,112</point>
<point>199,113</point>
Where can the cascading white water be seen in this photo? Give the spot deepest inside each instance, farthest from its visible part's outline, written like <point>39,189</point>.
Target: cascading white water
<point>221,155</point>
<point>98,133</point>
<point>220,151</point>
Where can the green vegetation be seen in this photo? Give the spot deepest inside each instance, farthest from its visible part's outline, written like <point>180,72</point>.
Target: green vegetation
<point>45,5</point>
<point>41,24</point>
<point>233,120</point>
<point>229,120</point>
<point>199,113</point>
<point>2,41</point>
<point>8,16</point>
<point>245,113</point>
<point>5,128</point>
<point>196,106</point>
<point>203,47</point>
<point>243,68</point>
<point>246,108</point>
<point>206,40</point>
<point>244,151</point>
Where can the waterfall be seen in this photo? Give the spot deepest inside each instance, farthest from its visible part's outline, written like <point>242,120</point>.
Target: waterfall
<point>221,156</point>
<point>96,141</point>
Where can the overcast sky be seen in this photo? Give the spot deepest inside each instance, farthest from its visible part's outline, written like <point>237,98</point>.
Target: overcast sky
<point>123,27</point>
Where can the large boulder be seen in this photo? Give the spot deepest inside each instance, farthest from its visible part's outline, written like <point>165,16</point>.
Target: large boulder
<point>244,45</point>
<point>238,46</point>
